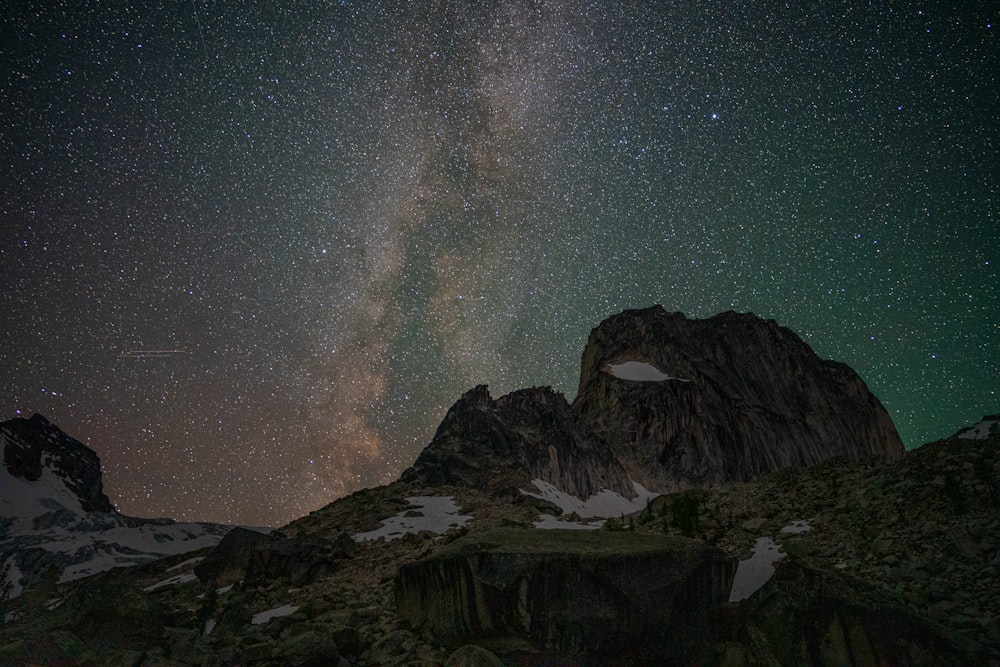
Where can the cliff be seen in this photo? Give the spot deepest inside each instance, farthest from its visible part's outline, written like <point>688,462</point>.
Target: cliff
<point>742,397</point>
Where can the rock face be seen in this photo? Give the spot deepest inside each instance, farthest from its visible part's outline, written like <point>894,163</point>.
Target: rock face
<point>899,567</point>
<point>33,445</point>
<point>828,619</point>
<point>726,399</point>
<point>987,427</point>
<point>502,444</point>
<point>744,397</point>
<point>617,598</point>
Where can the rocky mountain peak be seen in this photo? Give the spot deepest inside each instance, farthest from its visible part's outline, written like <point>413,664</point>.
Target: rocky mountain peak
<point>667,402</point>
<point>503,444</point>
<point>33,445</point>
<point>55,516</point>
<point>986,427</point>
<point>727,398</point>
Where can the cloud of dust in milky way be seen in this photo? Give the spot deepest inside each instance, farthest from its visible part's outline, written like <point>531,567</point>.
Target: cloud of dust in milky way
<point>452,186</point>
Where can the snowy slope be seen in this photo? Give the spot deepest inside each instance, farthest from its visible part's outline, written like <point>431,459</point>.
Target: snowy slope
<point>987,426</point>
<point>43,522</point>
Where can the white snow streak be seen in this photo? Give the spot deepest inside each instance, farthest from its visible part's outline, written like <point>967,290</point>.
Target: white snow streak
<point>604,504</point>
<point>639,371</point>
<point>265,616</point>
<point>435,514</point>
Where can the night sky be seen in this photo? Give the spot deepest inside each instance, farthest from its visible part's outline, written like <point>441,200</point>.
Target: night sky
<point>252,254</point>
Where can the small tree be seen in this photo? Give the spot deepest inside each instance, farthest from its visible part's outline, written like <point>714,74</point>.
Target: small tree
<point>684,514</point>
<point>614,524</point>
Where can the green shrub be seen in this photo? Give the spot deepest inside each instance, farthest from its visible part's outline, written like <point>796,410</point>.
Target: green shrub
<point>614,524</point>
<point>684,514</point>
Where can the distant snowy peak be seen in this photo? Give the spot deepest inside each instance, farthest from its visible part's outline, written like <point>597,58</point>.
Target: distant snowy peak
<point>54,513</point>
<point>46,468</point>
<point>988,426</point>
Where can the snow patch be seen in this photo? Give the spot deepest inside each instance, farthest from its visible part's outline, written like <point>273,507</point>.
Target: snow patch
<point>604,504</point>
<point>23,499</point>
<point>796,527</point>
<point>277,612</point>
<point>143,544</point>
<point>757,570</point>
<point>12,578</point>
<point>189,561</point>
<point>985,428</point>
<point>639,371</point>
<point>175,580</point>
<point>435,514</point>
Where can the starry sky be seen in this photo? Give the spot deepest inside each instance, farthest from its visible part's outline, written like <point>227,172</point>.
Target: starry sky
<point>251,252</point>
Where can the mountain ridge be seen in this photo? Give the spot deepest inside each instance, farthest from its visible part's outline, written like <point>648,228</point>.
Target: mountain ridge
<point>861,556</point>
<point>54,514</point>
<point>725,399</point>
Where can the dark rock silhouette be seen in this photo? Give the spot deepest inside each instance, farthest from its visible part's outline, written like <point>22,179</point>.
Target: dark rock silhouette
<point>26,441</point>
<point>54,513</point>
<point>829,619</point>
<point>502,444</point>
<point>740,397</point>
<point>249,554</point>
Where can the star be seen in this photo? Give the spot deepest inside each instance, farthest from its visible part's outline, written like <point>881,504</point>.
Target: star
<point>254,252</point>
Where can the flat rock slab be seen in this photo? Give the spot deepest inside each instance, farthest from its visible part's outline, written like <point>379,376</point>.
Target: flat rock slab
<point>636,597</point>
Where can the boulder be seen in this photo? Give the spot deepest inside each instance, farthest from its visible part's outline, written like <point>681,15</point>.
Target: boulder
<point>599,594</point>
<point>232,557</point>
<point>310,649</point>
<point>248,554</point>
<point>471,655</point>
<point>809,616</point>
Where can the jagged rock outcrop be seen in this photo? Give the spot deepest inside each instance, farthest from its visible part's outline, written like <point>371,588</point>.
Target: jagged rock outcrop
<point>502,444</point>
<point>988,426</point>
<point>33,445</point>
<point>725,399</point>
<point>619,598</point>
<point>744,397</point>
<point>899,567</point>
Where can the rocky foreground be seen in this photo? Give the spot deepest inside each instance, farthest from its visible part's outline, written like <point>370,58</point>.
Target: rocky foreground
<point>900,566</point>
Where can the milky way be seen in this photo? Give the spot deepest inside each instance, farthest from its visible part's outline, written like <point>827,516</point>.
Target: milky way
<point>251,253</point>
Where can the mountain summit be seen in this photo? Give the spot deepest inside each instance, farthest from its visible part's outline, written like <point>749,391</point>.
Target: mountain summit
<point>666,403</point>
<point>740,397</point>
<point>35,450</point>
